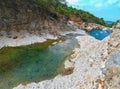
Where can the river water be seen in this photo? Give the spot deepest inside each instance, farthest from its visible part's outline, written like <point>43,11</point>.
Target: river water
<point>99,34</point>
<point>33,63</point>
<point>37,62</point>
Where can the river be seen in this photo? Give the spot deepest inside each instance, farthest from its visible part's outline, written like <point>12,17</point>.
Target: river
<point>33,63</point>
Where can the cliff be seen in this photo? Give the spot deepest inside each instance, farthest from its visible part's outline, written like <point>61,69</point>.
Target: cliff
<point>28,15</point>
<point>112,66</point>
<point>114,43</point>
<point>42,16</point>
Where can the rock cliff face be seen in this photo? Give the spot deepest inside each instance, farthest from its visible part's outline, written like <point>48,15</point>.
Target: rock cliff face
<point>117,26</point>
<point>91,26</point>
<point>85,25</point>
<point>112,67</point>
<point>114,43</point>
<point>27,15</point>
<point>24,22</point>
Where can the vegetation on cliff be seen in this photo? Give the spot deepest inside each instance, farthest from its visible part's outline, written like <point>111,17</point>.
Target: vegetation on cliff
<point>60,9</point>
<point>40,15</point>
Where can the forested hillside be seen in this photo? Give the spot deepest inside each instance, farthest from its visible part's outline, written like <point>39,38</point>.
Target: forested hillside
<point>60,9</point>
<point>40,15</point>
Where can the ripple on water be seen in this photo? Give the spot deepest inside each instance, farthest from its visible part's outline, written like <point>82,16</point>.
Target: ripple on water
<point>32,63</point>
<point>98,34</point>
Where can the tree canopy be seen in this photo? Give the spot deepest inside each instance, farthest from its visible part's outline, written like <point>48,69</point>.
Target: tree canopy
<point>60,9</point>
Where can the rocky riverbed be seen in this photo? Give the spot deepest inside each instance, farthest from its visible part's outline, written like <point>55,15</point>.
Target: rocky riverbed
<point>90,62</point>
<point>112,69</point>
<point>89,66</point>
<point>95,66</point>
<point>87,62</point>
<point>23,37</point>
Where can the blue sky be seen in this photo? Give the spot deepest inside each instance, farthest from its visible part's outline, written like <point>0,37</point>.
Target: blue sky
<point>107,9</point>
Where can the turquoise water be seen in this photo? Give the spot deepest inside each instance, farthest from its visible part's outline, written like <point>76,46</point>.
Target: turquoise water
<point>99,34</point>
<point>33,63</point>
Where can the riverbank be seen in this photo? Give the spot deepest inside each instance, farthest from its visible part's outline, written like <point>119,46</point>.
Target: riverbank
<point>35,62</point>
<point>84,62</point>
<point>22,56</point>
<point>23,37</point>
<point>87,62</point>
<point>95,63</point>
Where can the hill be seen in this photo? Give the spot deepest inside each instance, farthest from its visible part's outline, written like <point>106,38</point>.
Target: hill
<point>109,22</point>
<point>62,10</point>
<point>40,15</point>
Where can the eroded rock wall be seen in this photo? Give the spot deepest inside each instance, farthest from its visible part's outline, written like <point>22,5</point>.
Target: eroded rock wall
<point>114,42</point>
<point>27,15</point>
<point>112,66</point>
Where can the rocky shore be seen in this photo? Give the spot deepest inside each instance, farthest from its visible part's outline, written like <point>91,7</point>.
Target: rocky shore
<point>86,26</point>
<point>112,69</point>
<point>95,65</point>
<point>90,62</point>
<point>87,62</point>
<point>114,43</point>
<point>23,37</point>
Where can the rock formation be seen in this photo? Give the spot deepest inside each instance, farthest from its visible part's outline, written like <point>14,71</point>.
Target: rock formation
<point>27,15</point>
<point>114,43</point>
<point>87,63</point>
<point>112,66</point>
<point>96,65</point>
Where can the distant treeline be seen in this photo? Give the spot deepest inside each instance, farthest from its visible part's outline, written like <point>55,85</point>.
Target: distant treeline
<point>59,8</point>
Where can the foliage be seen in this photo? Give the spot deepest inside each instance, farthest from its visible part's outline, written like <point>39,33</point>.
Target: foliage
<point>109,25</point>
<point>60,9</point>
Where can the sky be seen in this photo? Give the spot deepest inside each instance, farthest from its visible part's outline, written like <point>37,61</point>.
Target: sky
<point>107,9</point>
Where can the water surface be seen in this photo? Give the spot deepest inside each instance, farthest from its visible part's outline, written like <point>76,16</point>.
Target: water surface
<point>99,34</point>
<point>33,63</point>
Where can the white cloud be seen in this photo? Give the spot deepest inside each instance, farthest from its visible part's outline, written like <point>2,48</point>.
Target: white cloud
<point>72,1</point>
<point>98,5</point>
<point>112,1</point>
<point>108,9</point>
